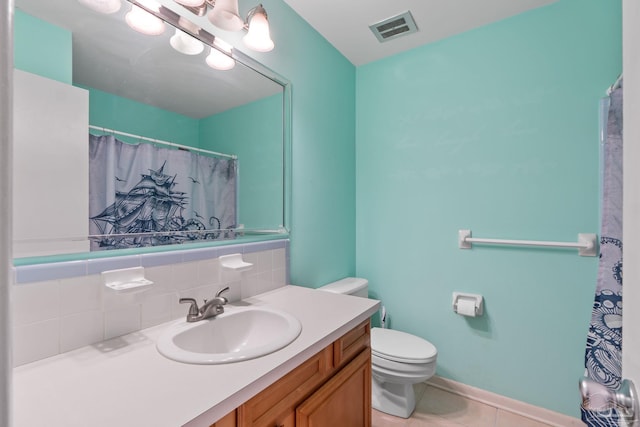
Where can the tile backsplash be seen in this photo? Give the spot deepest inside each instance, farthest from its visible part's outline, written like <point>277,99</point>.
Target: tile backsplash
<point>63,306</point>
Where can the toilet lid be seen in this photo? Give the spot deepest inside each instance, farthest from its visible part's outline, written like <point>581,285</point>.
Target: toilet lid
<point>401,347</point>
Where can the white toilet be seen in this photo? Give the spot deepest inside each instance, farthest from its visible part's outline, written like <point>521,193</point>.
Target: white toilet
<point>398,360</point>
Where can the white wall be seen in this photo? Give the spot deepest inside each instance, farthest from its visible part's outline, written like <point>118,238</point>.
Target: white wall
<point>51,170</point>
<point>54,315</point>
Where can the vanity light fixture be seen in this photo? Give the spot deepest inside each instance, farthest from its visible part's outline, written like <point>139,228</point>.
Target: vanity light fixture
<point>144,22</point>
<point>219,60</point>
<point>258,36</point>
<point>224,15</point>
<point>184,43</point>
<point>191,3</point>
<point>187,25</point>
<point>103,6</point>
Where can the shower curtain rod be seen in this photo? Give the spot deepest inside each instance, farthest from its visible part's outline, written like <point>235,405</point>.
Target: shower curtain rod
<point>157,141</point>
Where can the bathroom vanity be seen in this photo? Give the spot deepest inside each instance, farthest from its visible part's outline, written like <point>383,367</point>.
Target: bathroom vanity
<point>323,374</point>
<point>333,387</point>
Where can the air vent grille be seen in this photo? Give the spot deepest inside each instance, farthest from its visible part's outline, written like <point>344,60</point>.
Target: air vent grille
<point>394,27</point>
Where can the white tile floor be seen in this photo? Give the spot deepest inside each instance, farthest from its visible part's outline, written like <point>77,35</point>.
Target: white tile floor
<point>439,408</point>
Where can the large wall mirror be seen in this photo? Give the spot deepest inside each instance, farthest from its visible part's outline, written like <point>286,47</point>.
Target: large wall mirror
<point>141,90</point>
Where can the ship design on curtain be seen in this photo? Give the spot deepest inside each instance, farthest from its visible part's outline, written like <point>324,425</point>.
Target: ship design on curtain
<point>151,207</point>
<point>156,210</point>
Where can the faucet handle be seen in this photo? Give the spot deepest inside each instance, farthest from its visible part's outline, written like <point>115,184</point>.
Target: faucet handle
<point>225,289</point>
<point>193,308</point>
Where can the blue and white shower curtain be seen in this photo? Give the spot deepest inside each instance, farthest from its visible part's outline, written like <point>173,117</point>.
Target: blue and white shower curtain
<point>144,195</point>
<point>603,355</point>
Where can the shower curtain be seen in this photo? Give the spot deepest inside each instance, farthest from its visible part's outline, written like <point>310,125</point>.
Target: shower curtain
<point>603,355</point>
<point>144,195</point>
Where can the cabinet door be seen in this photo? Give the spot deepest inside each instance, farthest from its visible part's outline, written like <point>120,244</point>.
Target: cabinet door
<point>351,344</point>
<point>286,420</point>
<point>272,406</point>
<point>345,400</point>
<point>228,420</point>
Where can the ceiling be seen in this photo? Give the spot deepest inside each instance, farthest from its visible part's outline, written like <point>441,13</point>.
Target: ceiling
<point>345,23</point>
<point>111,57</point>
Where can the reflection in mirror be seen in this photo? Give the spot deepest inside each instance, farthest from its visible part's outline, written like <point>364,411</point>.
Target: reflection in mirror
<point>89,72</point>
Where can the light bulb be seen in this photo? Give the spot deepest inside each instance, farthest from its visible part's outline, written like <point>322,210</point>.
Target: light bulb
<point>218,60</point>
<point>190,3</point>
<point>103,6</point>
<point>184,43</point>
<point>144,22</point>
<point>258,37</point>
<point>225,15</point>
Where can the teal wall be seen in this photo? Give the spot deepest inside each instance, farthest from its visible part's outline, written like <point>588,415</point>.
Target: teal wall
<point>258,145</point>
<point>254,133</point>
<point>45,49</point>
<point>494,130</point>
<point>115,112</point>
<point>42,48</point>
<point>323,146</point>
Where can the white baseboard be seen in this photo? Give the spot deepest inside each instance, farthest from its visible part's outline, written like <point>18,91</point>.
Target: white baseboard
<point>537,413</point>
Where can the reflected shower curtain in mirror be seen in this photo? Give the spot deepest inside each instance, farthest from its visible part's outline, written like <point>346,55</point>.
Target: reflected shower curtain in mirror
<point>144,195</point>
<point>603,354</point>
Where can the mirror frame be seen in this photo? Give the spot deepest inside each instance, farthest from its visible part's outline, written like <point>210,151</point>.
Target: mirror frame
<point>178,21</point>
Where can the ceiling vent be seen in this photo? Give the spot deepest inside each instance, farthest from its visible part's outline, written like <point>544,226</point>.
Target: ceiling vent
<point>394,27</point>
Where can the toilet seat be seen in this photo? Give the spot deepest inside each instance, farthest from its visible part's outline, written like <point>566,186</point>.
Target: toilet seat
<point>401,347</point>
<point>401,372</point>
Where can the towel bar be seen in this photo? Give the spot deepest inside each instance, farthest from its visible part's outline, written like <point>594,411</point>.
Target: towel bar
<point>586,244</point>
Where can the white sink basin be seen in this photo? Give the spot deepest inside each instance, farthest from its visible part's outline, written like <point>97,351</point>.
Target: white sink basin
<point>240,333</point>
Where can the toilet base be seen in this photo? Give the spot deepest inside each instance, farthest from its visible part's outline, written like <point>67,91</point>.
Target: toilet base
<point>394,399</point>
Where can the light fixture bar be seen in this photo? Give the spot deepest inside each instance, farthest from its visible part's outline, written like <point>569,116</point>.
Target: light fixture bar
<point>196,32</point>
<point>172,18</point>
<point>224,15</point>
<point>199,10</point>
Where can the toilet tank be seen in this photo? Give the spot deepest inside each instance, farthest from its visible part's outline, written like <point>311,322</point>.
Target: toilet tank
<point>349,286</point>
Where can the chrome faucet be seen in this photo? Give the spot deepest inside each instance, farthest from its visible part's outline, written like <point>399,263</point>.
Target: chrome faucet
<point>211,308</point>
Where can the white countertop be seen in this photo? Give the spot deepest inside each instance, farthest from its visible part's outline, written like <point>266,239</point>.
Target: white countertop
<point>126,382</point>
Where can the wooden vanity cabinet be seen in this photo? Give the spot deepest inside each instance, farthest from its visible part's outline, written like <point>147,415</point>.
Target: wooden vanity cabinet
<point>276,403</point>
<point>351,344</point>
<point>332,388</point>
<point>228,420</point>
<point>342,400</point>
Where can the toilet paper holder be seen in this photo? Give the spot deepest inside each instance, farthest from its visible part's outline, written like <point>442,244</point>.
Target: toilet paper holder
<point>461,298</point>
